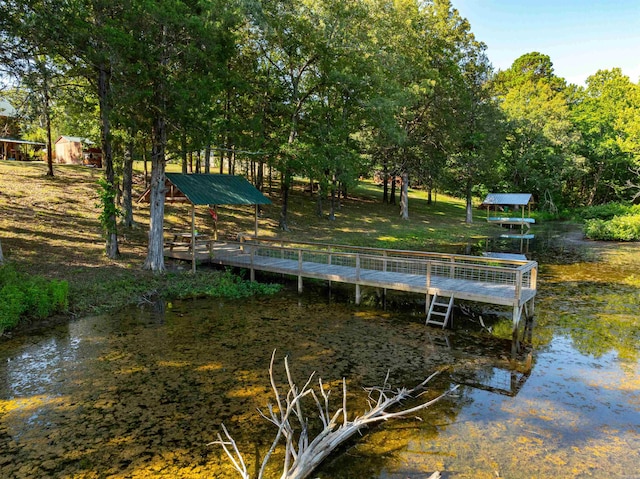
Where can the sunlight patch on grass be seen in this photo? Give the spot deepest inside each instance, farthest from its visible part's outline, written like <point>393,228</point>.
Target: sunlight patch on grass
<point>388,239</point>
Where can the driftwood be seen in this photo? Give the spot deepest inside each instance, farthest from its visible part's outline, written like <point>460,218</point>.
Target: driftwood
<point>303,454</point>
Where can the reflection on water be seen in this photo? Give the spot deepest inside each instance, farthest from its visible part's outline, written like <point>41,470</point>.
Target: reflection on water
<point>141,393</point>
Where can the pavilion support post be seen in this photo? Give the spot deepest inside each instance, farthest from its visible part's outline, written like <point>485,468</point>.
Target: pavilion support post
<point>215,223</point>
<point>193,238</point>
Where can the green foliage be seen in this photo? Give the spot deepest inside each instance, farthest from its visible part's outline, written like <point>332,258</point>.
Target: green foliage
<point>607,211</point>
<point>226,285</point>
<point>619,228</point>
<point>108,209</point>
<point>24,296</point>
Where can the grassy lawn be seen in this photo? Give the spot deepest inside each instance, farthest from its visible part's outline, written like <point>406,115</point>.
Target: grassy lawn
<point>49,226</point>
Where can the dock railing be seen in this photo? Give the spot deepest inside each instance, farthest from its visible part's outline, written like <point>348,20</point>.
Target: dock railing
<point>518,273</point>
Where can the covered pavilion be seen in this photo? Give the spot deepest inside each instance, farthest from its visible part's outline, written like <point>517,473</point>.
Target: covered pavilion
<point>210,190</point>
<point>500,202</point>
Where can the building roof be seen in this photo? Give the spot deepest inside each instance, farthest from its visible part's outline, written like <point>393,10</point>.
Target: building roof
<point>206,189</point>
<point>515,199</point>
<point>21,142</point>
<point>75,139</point>
<point>7,109</point>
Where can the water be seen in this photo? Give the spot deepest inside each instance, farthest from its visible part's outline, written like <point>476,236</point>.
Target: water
<point>142,393</point>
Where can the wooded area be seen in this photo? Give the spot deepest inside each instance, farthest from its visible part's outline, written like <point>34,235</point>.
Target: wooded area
<point>323,89</point>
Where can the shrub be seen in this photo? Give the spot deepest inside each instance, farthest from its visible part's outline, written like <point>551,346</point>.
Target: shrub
<point>225,285</point>
<point>607,211</point>
<point>619,228</point>
<point>12,306</point>
<point>25,296</point>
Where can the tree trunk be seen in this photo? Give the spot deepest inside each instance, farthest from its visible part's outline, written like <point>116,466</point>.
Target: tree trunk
<point>155,251</point>
<point>596,184</point>
<point>319,212</point>
<point>183,153</point>
<point>260,176</point>
<point>127,185</point>
<point>404,196</point>
<point>107,157</point>
<point>332,204</point>
<point>47,119</point>
<point>207,159</point>
<point>385,179</point>
<point>1,256</point>
<point>146,165</point>
<point>286,179</point>
<point>392,198</point>
<point>469,216</point>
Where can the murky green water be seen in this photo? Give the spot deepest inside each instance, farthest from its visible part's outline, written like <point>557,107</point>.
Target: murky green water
<point>141,394</point>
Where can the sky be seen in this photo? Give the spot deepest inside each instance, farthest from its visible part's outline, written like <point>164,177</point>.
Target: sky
<point>580,36</point>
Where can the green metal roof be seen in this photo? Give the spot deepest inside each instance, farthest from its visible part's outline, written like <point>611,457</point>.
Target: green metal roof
<point>205,189</point>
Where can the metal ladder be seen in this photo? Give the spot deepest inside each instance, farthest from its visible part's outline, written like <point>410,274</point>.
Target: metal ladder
<point>441,310</point>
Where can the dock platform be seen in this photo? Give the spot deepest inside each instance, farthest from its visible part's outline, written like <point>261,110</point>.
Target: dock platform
<point>498,281</point>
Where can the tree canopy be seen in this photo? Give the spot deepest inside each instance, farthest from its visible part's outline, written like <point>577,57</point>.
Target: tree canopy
<point>323,89</point>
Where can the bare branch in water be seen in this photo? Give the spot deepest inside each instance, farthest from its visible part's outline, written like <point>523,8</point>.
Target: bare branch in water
<point>303,456</point>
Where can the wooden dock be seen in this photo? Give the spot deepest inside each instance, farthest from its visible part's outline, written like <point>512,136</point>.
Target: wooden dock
<point>497,281</point>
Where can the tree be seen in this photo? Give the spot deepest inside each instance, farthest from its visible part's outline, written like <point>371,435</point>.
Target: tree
<point>174,42</point>
<point>539,128</point>
<point>305,44</point>
<point>82,34</point>
<point>472,135</point>
<point>604,116</point>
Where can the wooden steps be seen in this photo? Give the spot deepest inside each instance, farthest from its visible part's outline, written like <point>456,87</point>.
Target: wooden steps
<point>441,308</point>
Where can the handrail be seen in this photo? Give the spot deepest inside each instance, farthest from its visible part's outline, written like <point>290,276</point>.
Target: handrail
<point>393,259</point>
<point>514,262</point>
<point>525,276</point>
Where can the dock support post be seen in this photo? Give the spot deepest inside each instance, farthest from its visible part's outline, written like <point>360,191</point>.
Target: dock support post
<point>517,314</point>
<point>329,262</point>
<point>427,304</point>
<point>299,271</point>
<point>253,271</point>
<point>358,295</point>
<point>384,269</point>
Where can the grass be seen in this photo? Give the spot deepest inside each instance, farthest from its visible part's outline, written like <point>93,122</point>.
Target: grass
<point>50,226</point>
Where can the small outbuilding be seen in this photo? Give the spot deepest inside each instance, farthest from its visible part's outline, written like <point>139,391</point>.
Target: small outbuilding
<point>21,150</point>
<point>502,208</point>
<point>75,150</point>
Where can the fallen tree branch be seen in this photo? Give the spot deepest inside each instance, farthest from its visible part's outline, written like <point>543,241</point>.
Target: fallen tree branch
<point>302,456</point>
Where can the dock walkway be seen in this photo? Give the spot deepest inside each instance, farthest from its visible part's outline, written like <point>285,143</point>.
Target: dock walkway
<point>498,281</point>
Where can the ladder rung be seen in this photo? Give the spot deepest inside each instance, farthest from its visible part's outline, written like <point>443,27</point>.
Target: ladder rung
<point>444,305</point>
<point>439,313</point>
